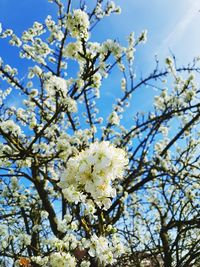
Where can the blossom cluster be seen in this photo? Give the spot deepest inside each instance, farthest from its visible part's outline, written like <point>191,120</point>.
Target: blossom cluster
<point>104,251</point>
<point>110,8</point>
<point>78,24</point>
<point>58,87</point>
<point>91,172</point>
<point>59,259</point>
<point>9,127</point>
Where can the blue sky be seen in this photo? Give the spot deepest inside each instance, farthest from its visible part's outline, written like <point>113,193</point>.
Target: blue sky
<point>171,24</point>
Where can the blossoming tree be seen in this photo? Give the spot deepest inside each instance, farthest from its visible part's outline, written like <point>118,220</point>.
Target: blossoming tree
<point>79,188</point>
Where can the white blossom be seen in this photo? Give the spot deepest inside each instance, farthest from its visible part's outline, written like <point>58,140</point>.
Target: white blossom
<point>62,259</point>
<point>78,24</point>
<point>114,118</point>
<point>92,171</point>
